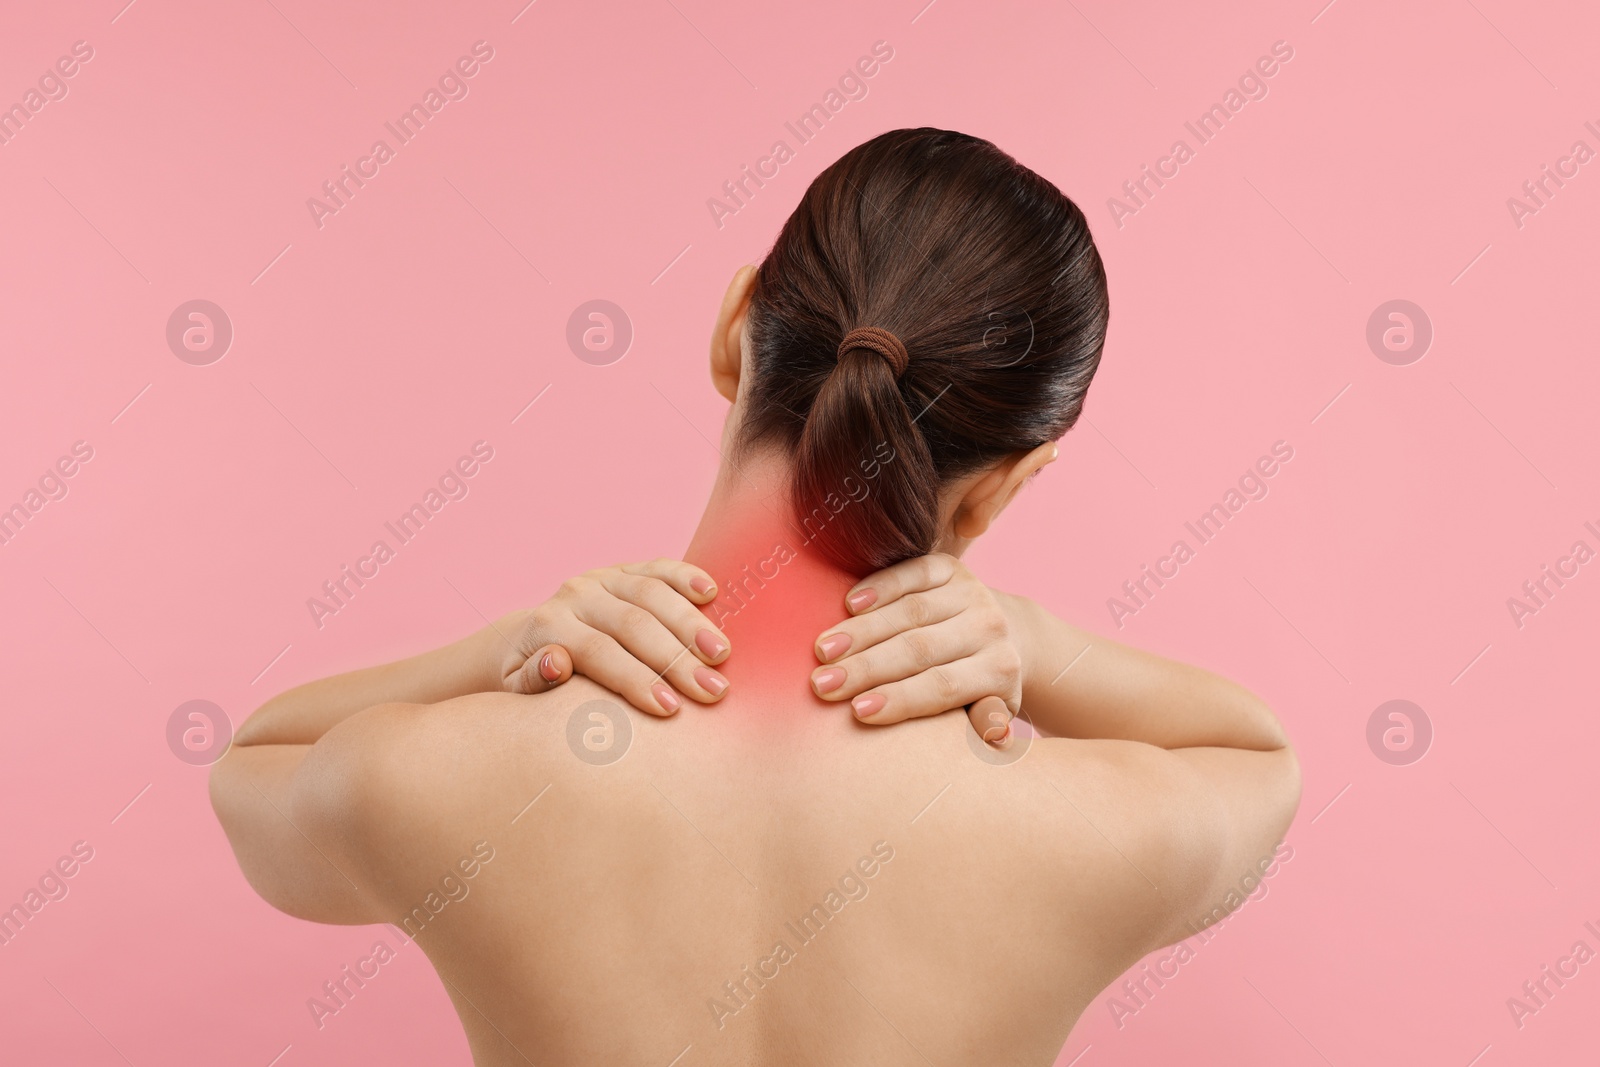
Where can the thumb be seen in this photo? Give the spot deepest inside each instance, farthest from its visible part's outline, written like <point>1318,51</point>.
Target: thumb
<point>991,719</point>
<point>546,668</point>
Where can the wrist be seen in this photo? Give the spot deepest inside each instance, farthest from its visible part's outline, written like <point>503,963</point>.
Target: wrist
<point>489,651</point>
<point>1022,629</point>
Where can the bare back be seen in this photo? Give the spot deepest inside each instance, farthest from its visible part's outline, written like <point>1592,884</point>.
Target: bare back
<point>765,881</point>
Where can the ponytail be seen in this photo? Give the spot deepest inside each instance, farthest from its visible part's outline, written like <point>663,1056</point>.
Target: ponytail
<point>860,425</point>
<point>985,307</point>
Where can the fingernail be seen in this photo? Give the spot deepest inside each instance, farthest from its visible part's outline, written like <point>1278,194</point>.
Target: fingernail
<point>995,734</point>
<point>828,681</point>
<point>702,585</point>
<point>710,680</point>
<point>863,600</point>
<point>547,667</point>
<point>665,697</point>
<point>709,643</point>
<point>868,704</point>
<point>833,646</point>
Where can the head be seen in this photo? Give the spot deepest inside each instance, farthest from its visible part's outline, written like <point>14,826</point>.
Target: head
<point>989,278</point>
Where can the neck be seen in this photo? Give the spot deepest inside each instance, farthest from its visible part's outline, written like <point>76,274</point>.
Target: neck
<point>776,593</point>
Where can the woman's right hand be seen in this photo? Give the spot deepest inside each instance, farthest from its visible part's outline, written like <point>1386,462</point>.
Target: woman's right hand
<point>635,629</point>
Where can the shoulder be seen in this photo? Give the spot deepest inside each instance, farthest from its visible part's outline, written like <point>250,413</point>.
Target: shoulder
<point>396,787</point>
<point>1147,824</point>
<point>392,759</point>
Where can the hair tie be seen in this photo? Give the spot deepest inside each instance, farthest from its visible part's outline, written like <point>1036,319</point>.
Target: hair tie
<point>880,341</point>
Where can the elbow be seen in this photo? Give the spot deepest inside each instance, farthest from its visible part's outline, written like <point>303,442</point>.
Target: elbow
<point>1283,780</point>
<point>235,801</point>
<point>232,807</point>
<point>1285,787</point>
<point>1265,728</point>
<point>220,785</point>
<point>257,727</point>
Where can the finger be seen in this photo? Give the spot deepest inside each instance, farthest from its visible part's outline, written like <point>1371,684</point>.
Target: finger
<point>902,656</point>
<point>991,719</point>
<point>936,690</point>
<point>686,578</point>
<point>907,576</point>
<point>641,635</point>
<point>541,670</point>
<point>672,610</point>
<point>547,668</point>
<point>880,624</point>
<point>597,656</point>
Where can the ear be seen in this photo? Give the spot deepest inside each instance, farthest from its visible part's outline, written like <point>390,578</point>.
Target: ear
<point>987,497</point>
<point>727,337</point>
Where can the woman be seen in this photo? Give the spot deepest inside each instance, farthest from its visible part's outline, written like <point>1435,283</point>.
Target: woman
<point>766,880</point>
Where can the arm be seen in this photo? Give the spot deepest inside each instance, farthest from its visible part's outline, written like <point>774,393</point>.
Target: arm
<point>297,791</point>
<point>931,637</point>
<point>319,830</point>
<point>302,715</point>
<point>286,823</point>
<point>1184,835</point>
<point>1203,763</point>
<point>1189,772</point>
<point>1078,684</point>
<point>289,815</point>
<point>625,627</point>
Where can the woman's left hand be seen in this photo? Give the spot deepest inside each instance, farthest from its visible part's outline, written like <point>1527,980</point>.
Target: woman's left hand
<point>925,636</point>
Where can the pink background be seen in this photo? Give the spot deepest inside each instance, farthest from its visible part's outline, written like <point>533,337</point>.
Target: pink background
<point>425,315</point>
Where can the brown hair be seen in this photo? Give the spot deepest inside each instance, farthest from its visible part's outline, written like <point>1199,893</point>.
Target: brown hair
<point>988,277</point>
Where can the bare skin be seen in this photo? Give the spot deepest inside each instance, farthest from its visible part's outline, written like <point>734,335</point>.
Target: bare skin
<point>765,876</point>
